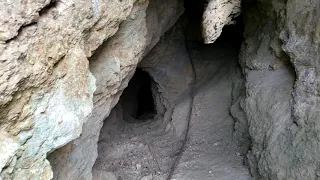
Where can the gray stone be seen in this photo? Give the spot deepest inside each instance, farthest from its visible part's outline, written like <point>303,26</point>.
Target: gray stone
<point>280,61</point>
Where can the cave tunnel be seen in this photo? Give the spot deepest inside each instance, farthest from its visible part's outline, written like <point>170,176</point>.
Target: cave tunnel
<point>144,135</point>
<point>139,120</point>
<point>137,99</point>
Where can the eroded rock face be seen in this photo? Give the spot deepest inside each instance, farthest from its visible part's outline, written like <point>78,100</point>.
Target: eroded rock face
<point>218,14</point>
<point>113,65</point>
<point>17,15</point>
<point>280,61</point>
<point>46,88</point>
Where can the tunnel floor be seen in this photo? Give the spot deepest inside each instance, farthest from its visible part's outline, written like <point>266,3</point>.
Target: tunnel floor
<point>211,151</point>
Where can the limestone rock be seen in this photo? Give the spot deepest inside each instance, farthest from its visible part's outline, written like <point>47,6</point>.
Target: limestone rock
<point>17,15</point>
<point>46,89</point>
<point>218,14</point>
<point>8,149</point>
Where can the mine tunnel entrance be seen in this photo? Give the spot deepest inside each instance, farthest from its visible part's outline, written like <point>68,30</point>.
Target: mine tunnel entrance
<point>139,142</point>
<point>143,135</point>
<point>137,99</point>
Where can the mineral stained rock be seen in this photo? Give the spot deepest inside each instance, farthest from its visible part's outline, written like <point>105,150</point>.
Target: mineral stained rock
<point>46,91</point>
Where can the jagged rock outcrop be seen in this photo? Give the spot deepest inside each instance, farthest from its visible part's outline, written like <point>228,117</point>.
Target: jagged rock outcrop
<point>218,14</point>
<point>280,61</point>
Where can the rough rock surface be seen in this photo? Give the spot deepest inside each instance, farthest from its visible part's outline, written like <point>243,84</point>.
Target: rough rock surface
<point>113,65</point>
<point>218,14</point>
<point>17,14</point>
<point>46,88</point>
<point>280,62</point>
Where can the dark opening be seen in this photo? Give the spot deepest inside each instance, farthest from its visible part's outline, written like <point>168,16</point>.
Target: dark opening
<point>145,99</point>
<point>194,11</point>
<point>137,99</point>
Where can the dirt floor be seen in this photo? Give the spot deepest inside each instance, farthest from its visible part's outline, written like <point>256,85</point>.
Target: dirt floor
<point>211,151</point>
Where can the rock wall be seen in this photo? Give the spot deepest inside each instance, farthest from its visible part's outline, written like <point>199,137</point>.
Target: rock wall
<point>280,62</point>
<point>46,88</point>
<point>113,65</point>
<point>46,91</point>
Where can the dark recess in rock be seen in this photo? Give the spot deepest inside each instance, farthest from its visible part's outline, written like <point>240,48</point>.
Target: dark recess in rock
<point>137,100</point>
